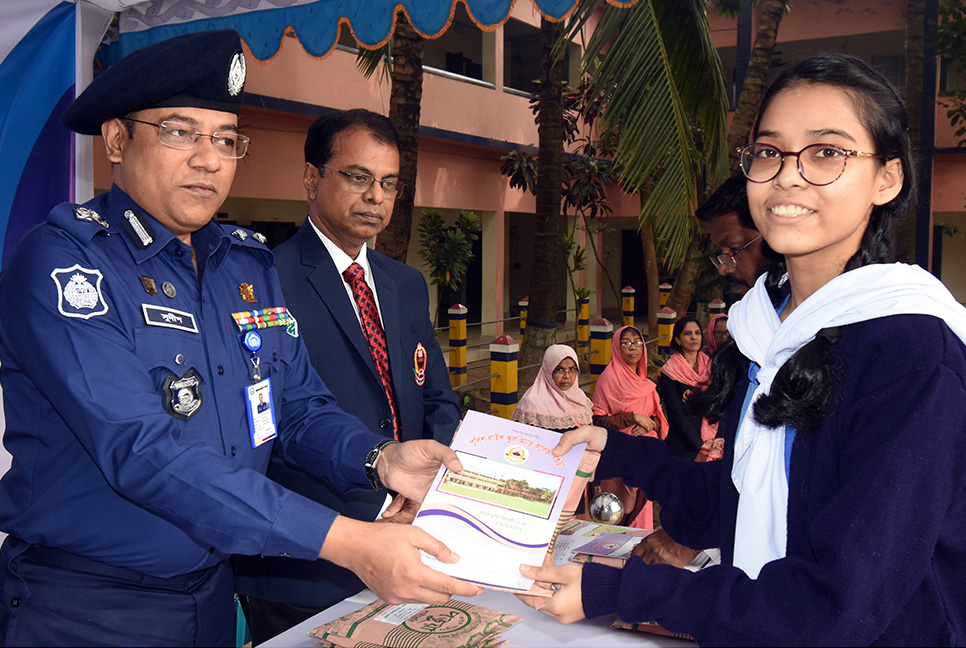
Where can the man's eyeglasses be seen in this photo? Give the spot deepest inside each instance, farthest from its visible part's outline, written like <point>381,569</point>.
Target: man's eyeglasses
<point>566,371</point>
<point>184,137</point>
<point>360,182</point>
<point>818,164</point>
<point>627,344</point>
<point>726,262</point>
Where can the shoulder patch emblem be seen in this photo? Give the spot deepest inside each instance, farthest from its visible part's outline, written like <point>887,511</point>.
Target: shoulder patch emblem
<point>79,292</point>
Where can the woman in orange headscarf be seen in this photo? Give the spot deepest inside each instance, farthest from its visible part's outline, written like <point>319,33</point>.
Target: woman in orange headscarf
<point>626,399</point>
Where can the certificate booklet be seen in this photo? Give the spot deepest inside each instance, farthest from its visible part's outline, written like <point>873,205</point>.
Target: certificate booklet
<point>504,507</point>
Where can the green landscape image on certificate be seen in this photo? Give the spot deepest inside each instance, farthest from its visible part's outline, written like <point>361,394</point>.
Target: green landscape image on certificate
<point>499,484</point>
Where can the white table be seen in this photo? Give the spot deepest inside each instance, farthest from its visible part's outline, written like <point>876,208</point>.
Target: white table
<point>535,631</point>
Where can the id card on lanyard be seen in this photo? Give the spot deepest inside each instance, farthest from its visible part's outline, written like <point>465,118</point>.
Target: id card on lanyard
<point>261,413</point>
<point>258,396</point>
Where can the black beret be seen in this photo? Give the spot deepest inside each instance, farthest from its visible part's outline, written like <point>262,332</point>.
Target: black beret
<point>200,70</point>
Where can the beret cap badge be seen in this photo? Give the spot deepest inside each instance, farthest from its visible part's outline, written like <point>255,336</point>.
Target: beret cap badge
<point>236,74</point>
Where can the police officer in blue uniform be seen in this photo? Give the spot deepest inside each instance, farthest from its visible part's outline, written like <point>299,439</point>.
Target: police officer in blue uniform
<point>137,339</point>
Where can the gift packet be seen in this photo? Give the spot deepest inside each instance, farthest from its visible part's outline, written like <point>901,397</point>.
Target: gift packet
<point>454,624</point>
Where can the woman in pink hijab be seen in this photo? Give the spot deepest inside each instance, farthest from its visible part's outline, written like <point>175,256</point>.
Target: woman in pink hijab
<point>626,399</point>
<point>717,332</point>
<point>688,371</point>
<point>554,401</point>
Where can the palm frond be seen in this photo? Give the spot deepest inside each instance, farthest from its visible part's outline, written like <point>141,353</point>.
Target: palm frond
<point>659,73</point>
<point>367,60</point>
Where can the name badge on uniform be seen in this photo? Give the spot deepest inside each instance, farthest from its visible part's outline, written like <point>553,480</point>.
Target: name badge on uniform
<point>261,414</point>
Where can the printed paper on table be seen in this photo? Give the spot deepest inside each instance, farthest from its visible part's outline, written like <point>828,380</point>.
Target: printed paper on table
<point>503,509</point>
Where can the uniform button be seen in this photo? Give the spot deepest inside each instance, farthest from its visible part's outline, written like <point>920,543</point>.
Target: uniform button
<point>285,554</point>
<point>178,252</point>
<point>211,550</point>
<point>221,370</point>
<point>179,359</point>
<point>233,451</point>
<point>384,423</point>
<point>275,356</point>
<point>15,601</point>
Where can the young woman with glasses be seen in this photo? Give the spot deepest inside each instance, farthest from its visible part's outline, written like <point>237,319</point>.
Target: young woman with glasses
<point>839,505</point>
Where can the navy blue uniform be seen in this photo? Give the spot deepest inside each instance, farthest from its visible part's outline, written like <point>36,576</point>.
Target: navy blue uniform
<point>105,464</point>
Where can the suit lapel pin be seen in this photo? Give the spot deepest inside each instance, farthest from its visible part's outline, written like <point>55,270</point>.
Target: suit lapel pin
<point>419,364</point>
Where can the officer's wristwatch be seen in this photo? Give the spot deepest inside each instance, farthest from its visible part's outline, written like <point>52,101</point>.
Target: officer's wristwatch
<point>371,459</point>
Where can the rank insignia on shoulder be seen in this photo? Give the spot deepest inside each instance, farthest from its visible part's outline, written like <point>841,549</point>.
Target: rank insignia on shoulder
<point>183,395</point>
<point>139,231</point>
<point>258,236</point>
<point>85,214</point>
<point>150,287</point>
<point>79,292</point>
<point>247,292</point>
<point>240,234</point>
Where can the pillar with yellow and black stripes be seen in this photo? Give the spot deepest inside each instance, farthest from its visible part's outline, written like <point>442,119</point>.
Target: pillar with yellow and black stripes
<point>601,334</point>
<point>627,304</point>
<point>524,304</point>
<point>665,289</point>
<point>503,368</point>
<point>457,345</point>
<point>665,330</point>
<point>583,326</point>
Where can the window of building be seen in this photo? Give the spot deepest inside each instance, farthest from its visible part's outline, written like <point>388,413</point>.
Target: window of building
<point>459,50</point>
<point>521,58</point>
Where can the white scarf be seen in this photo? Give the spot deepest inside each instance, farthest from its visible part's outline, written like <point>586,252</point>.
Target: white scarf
<point>866,293</point>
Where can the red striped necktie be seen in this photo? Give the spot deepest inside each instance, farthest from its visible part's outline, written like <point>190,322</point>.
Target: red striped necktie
<point>355,276</point>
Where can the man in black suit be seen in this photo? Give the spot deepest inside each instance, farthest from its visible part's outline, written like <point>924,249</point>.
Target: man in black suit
<point>351,180</point>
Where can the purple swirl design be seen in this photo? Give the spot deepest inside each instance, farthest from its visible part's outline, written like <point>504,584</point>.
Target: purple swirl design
<point>446,510</point>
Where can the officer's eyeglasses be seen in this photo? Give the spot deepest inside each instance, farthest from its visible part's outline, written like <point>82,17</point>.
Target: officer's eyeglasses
<point>360,182</point>
<point>184,137</point>
<point>818,164</point>
<point>566,371</point>
<point>726,262</point>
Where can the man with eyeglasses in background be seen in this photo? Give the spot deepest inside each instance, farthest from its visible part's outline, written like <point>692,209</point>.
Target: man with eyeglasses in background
<point>365,321</point>
<point>741,259</point>
<point>137,338</point>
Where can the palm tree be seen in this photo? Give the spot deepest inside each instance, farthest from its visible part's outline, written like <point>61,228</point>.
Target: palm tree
<point>549,271</point>
<point>770,14</point>
<point>405,67</point>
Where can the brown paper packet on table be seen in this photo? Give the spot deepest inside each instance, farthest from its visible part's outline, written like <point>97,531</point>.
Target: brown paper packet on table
<point>455,624</point>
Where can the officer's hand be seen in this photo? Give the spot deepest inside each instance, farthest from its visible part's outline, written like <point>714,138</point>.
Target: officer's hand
<point>409,468</point>
<point>386,558</point>
<point>401,510</point>
<point>565,605</point>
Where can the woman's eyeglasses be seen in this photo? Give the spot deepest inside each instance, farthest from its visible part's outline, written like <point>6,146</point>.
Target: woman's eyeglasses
<point>818,164</point>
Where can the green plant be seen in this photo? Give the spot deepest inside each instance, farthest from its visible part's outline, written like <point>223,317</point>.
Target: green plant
<point>447,250</point>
